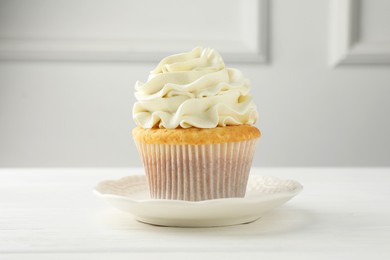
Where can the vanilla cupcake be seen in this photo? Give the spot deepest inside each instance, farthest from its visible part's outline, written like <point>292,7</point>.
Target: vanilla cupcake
<point>194,128</point>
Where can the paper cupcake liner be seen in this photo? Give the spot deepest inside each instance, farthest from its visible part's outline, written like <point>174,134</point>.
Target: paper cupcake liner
<point>197,172</point>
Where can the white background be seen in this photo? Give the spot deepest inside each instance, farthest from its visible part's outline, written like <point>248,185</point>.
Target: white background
<point>68,69</point>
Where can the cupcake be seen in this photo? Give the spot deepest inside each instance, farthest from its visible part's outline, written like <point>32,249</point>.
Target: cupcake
<point>195,130</point>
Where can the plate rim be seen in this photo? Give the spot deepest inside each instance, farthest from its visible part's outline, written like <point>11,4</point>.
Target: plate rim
<point>247,200</point>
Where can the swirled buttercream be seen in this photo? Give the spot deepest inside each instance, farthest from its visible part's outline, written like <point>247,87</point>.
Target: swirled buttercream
<point>193,89</point>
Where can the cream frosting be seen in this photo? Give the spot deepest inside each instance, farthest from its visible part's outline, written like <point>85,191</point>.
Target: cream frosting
<point>194,89</point>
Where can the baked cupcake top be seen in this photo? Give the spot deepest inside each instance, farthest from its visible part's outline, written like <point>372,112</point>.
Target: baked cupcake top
<point>195,136</point>
<point>194,89</point>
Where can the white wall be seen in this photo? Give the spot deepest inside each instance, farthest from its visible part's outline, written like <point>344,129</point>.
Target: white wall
<point>78,112</point>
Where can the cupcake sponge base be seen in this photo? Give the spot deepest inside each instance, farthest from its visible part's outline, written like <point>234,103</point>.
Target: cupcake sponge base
<point>197,164</point>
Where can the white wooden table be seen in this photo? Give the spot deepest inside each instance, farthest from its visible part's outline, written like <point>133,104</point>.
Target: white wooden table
<point>342,213</point>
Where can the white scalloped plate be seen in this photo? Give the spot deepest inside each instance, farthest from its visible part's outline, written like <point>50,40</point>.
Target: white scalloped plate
<point>264,193</point>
